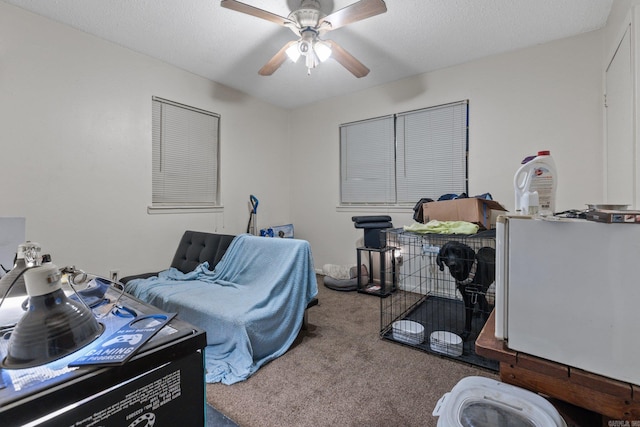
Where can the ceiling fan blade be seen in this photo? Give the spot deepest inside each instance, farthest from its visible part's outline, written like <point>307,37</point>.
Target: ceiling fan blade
<point>254,11</point>
<point>347,60</point>
<point>355,12</point>
<point>278,59</point>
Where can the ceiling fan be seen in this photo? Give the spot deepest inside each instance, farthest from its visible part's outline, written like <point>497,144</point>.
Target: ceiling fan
<point>308,22</point>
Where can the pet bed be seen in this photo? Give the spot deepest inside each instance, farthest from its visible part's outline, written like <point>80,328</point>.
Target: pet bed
<point>251,306</point>
<point>346,284</point>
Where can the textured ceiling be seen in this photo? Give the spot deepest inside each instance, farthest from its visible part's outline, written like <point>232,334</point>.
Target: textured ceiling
<point>412,37</point>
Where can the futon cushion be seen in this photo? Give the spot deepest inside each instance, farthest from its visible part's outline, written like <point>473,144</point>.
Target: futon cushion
<point>196,247</point>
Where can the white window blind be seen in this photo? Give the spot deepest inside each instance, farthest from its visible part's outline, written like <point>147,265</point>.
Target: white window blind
<point>366,155</point>
<point>431,152</point>
<point>185,155</point>
<point>402,158</point>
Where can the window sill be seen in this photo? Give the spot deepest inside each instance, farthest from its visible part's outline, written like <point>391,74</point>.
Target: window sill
<point>373,208</point>
<point>155,210</point>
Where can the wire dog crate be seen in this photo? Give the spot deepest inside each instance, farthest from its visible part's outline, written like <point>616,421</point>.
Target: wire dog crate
<point>430,309</point>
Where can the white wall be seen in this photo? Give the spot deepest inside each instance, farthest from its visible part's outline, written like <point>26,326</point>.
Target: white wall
<point>545,97</point>
<point>76,141</point>
<point>76,147</point>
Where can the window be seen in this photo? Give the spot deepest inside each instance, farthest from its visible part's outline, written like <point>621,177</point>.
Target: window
<point>399,159</point>
<point>185,156</point>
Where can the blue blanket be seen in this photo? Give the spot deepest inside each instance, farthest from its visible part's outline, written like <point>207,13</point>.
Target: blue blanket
<point>251,306</point>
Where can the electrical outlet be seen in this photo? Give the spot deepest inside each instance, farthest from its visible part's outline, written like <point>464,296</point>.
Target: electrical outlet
<point>114,275</point>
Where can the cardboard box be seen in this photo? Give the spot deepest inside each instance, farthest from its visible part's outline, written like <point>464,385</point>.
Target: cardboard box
<point>479,211</point>
<point>613,217</point>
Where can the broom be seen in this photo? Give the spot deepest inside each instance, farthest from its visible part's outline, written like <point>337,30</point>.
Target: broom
<point>253,213</point>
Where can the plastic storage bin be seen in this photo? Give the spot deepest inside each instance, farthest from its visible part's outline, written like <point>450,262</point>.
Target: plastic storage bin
<point>483,402</point>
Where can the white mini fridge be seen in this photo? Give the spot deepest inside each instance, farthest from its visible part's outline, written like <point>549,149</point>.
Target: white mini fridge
<point>568,290</point>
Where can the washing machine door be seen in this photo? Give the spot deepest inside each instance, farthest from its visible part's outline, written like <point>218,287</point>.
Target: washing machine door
<point>483,402</point>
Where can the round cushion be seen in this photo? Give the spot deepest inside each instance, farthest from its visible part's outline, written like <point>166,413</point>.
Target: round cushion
<point>341,284</point>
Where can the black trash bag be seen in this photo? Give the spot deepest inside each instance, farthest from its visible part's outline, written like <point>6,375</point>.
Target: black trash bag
<point>417,209</point>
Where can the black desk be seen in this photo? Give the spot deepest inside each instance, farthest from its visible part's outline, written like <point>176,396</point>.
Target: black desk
<point>162,384</point>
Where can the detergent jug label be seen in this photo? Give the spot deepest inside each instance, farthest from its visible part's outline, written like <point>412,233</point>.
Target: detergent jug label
<point>537,175</point>
<point>542,182</point>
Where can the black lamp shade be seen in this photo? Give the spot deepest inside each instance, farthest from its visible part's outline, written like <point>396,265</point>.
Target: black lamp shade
<point>53,327</point>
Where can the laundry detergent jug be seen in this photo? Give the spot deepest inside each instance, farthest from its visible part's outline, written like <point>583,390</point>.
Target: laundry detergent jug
<point>536,175</point>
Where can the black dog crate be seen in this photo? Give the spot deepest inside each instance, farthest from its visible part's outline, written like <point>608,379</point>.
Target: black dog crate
<point>427,310</point>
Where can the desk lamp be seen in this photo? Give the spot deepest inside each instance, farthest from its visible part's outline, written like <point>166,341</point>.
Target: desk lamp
<point>53,326</point>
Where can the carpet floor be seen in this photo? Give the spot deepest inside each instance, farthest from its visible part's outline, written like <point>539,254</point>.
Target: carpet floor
<point>340,373</point>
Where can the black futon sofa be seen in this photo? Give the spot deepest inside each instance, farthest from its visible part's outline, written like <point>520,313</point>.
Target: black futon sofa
<point>196,247</point>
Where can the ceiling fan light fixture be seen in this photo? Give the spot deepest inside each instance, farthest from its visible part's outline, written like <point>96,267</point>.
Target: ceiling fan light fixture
<point>293,52</point>
<point>309,22</point>
<point>322,50</point>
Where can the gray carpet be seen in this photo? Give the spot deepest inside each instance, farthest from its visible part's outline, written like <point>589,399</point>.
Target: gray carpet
<point>216,419</point>
<point>340,373</point>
